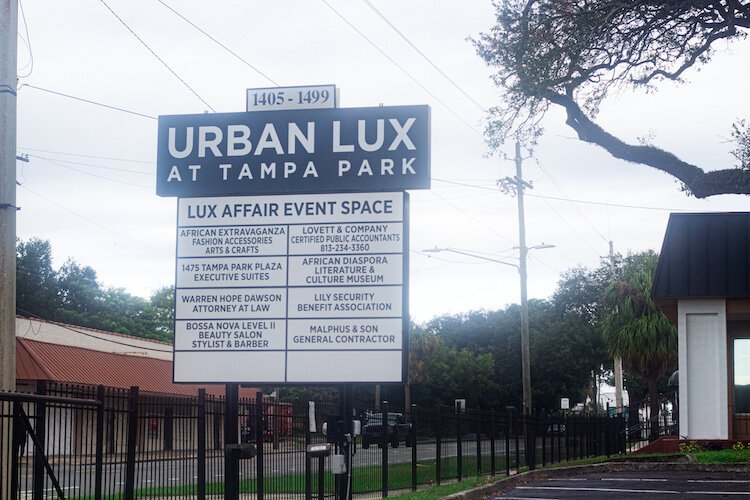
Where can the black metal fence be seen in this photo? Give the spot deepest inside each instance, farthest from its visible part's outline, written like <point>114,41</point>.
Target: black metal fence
<point>92,442</point>
<point>648,421</point>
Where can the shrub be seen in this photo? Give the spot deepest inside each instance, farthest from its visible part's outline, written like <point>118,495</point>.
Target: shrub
<point>689,447</point>
<point>713,446</point>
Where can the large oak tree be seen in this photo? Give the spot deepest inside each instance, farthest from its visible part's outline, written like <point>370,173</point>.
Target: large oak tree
<point>574,53</point>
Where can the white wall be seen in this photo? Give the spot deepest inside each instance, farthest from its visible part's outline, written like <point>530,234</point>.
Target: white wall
<point>702,331</point>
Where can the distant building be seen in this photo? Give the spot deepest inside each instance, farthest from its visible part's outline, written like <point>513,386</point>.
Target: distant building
<point>72,361</point>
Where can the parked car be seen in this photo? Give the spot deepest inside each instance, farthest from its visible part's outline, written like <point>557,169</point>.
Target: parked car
<point>399,430</point>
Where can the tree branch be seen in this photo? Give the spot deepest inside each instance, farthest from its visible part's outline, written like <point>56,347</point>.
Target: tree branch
<point>700,183</point>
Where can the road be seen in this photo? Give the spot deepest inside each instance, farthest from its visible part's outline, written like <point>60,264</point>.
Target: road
<point>641,485</point>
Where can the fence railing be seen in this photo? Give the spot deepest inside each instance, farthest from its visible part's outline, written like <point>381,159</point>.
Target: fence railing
<point>649,420</point>
<point>94,442</point>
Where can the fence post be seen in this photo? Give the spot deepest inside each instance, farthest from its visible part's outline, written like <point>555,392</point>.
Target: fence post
<point>40,428</point>
<point>17,439</point>
<point>507,443</point>
<point>132,443</point>
<point>259,459</point>
<point>201,443</point>
<point>492,442</point>
<point>544,438</point>
<point>308,470</point>
<point>413,441</point>
<point>438,445</point>
<point>515,436</point>
<point>459,445</point>
<point>168,437</point>
<point>530,446</point>
<point>479,442</point>
<point>384,443</point>
<point>566,426</point>
<point>99,457</point>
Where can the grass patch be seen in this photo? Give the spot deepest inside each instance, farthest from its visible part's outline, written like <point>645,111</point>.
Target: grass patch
<point>583,461</point>
<point>366,479</point>
<point>723,456</point>
<point>444,490</point>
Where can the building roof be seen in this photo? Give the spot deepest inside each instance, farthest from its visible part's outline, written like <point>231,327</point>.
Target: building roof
<point>89,338</point>
<point>68,364</point>
<point>704,255</point>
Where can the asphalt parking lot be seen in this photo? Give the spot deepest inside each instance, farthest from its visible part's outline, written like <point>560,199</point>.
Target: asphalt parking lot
<point>654,484</point>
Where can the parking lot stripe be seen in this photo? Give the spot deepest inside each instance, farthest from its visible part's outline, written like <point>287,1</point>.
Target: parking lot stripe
<point>607,490</point>
<point>718,481</point>
<point>640,479</point>
<point>746,493</point>
<point>530,498</point>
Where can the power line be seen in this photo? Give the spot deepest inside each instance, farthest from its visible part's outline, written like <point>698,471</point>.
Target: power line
<point>92,221</point>
<point>85,156</point>
<point>93,175</point>
<point>157,56</point>
<point>86,100</point>
<point>575,207</point>
<point>220,44</point>
<point>114,169</point>
<point>489,228</point>
<point>618,205</point>
<point>403,70</point>
<point>467,214</point>
<point>572,229</point>
<point>557,198</point>
<point>27,42</point>
<point>424,56</point>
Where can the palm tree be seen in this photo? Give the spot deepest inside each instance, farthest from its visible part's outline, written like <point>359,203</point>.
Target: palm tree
<point>636,330</point>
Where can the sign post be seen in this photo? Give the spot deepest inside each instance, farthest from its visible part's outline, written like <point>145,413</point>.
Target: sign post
<point>292,243</point>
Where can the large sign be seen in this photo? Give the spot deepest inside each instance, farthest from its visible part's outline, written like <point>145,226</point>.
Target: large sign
<point>383,148</point>
<point>292,289</point>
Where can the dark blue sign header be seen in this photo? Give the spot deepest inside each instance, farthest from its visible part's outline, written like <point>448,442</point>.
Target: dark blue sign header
<point>295,151</point>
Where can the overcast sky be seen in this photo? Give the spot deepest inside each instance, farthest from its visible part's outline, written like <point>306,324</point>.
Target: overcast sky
<point>89,186</point>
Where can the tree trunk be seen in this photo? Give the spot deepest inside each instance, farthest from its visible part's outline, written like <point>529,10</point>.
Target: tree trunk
<point>653,401</point>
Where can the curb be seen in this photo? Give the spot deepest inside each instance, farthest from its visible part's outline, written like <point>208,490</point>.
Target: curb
<point>539,474</point>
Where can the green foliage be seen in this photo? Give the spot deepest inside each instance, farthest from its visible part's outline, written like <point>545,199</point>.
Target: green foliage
<point>565,345</point>
<point>36,281</point>
<point>73,295</point>
<point>576,54</point>
<point>739,445</point>
<point>441,373</point>
<point>634,328</point>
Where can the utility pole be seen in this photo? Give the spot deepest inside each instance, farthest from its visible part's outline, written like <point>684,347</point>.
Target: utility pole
<point>618,359</point>
<point>8,84</point>
<point>8,34</point>
<point>517,185</point>
<point>523,252</point>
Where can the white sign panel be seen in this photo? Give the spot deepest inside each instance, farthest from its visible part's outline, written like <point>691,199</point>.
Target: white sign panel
<point>281,98</point>
<point>291,289</point>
